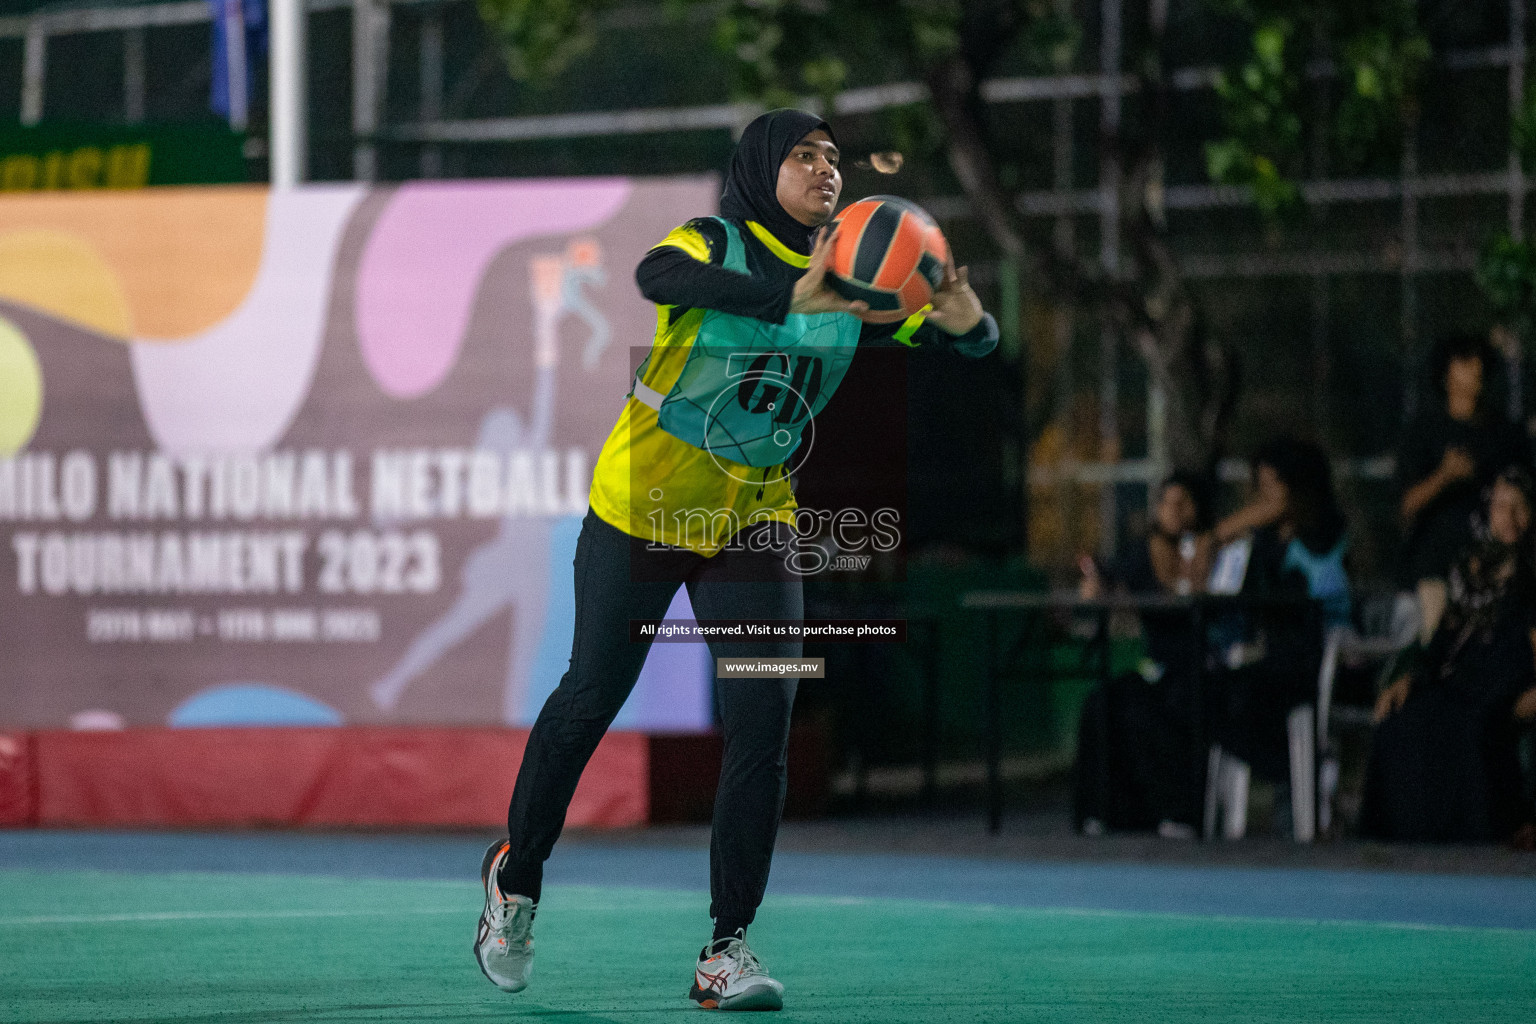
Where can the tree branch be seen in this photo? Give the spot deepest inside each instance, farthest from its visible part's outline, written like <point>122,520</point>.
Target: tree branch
<point>956,96</point>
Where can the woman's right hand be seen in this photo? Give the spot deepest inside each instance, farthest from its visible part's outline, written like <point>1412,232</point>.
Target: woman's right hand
<point>1392,697</point>
<point>1456,464</point>
<point>1262,510</point>
<point>1091,586</point>
<point>811,294</point>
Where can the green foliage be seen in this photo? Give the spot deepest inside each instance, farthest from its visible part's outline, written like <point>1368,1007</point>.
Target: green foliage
<point>1051,40</point>
<point>1506,274</point>
<point>935,27</point>
<point>1259,113</point>
<point>1378,53</point>
<point>1523,131</point>
<point>824,77</point>
<point>541,38</point>
<point>914,130</point>
<point>1230,162</point>
<point>783,50</point>
<point>750,35</point>
<point>1380,66</point>
<point>780,51</point>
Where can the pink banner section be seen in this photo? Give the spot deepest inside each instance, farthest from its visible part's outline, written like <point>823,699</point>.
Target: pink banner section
<point>300,777</point>
<point>428,254</point>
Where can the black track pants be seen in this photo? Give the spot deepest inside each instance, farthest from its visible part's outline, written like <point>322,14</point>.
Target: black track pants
<point>618,579</point>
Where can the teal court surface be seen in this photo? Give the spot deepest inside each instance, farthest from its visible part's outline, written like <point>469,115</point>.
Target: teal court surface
<point>296,927</point>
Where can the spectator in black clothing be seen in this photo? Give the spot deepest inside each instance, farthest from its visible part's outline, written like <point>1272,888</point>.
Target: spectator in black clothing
<point>1451,452</point>
<point>1444,761</point>
<point>1298,547</point>
<point>1135,768</point>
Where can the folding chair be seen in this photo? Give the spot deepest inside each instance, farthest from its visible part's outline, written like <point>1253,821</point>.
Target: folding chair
<point>1314,766</point>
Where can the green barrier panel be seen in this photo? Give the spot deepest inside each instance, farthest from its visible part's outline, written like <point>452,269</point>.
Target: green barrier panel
<point>55,156</point>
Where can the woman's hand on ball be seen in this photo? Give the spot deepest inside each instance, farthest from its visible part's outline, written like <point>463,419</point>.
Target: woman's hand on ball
<point>811,294</point>
<point>956,309</point>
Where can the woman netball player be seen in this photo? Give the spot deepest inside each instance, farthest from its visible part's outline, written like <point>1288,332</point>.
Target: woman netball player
<point>691,438</point>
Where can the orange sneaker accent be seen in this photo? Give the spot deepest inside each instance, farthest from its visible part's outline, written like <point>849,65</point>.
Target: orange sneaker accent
<point>499,851</point>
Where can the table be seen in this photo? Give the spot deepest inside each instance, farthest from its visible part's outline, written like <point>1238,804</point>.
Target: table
<point>925,622</point>
<point>1035,605</point>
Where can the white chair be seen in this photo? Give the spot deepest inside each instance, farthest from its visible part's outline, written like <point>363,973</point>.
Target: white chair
<point>1227,776</point>
<point>1226,791</point>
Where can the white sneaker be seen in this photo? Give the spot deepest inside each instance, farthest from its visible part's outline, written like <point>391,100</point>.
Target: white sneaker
<point>504,939</point>
<point>729,977</point>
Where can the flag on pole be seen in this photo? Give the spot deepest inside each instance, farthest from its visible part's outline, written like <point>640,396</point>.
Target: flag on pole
<point>234,56</point>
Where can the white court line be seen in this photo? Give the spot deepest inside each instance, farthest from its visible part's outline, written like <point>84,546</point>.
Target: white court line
<point>687,897</point>
<point>803,900</point>
<point>793,900</point>
<point>206,915</point>
<point>813,900</point>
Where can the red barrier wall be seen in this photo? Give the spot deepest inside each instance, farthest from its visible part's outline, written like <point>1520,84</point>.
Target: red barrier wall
<point>357,776</point>
<point>18,805</point>
<point>387,777</point>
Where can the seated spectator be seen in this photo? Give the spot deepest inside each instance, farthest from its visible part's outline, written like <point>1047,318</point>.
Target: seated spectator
<point>1135,766</point>
<point>1444,762</point>
<point>1295,528</point>
<point>1297,545</point>
<point>1450,454</point>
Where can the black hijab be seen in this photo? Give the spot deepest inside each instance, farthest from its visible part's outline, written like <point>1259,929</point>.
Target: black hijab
<point>751,186</point>
<point>1489,578</point>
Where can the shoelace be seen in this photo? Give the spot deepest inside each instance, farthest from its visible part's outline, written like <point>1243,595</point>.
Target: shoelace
<point>509,908</point>
<point>747,962</point>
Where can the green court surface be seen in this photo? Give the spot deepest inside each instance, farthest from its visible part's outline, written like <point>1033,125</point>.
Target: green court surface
<point>81,946</point>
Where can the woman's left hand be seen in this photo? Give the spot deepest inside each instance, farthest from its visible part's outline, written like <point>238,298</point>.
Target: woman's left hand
<point>956,309</point>
<point>1525,707</point>
<point>1091,586</point>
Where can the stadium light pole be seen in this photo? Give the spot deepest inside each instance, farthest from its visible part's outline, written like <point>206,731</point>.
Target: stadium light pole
<point>289,152</point>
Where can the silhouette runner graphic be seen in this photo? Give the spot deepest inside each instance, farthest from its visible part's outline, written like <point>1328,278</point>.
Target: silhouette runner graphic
<point>511,570</point>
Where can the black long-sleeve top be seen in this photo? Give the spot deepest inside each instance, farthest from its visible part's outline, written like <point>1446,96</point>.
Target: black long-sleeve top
<point>671,275</point>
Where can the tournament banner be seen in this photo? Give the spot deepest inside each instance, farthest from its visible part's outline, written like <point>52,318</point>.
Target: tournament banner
<point>59,155</point>
<point>315,457</point>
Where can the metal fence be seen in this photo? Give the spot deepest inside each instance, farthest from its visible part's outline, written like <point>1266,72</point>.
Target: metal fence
<point>1398,199</point>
